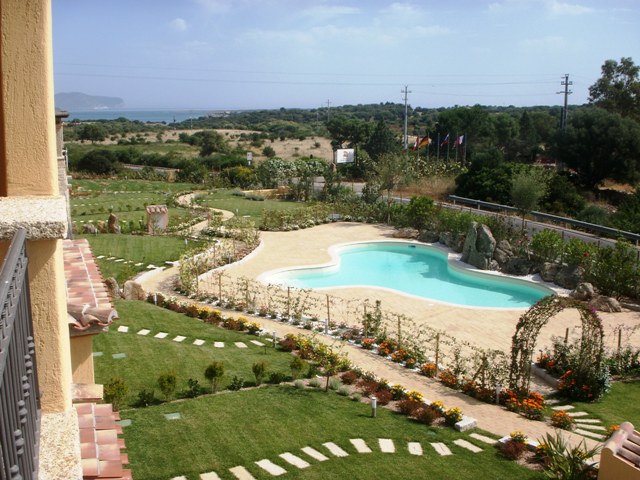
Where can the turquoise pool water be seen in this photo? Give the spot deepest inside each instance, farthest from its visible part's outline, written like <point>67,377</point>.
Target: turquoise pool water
<point>415,270</point>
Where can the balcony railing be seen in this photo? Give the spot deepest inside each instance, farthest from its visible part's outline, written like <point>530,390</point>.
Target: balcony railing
<point>19,396</point>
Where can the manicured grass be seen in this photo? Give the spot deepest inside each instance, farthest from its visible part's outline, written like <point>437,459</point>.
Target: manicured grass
<point>147,250</point>
<point>619,405</point>
<point>110,186</point>
<point>148,357</point>
<point>225,200</point>
<point>218,432</point>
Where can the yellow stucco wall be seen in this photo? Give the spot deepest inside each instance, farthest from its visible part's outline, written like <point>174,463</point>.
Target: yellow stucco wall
<point>82,359</point>
<point>28,166</point>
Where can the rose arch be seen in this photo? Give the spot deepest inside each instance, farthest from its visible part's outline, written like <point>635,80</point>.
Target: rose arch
<point>590,357</point>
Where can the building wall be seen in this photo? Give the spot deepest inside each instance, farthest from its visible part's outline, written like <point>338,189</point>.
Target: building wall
<point>82,359</point>
<point>28,167</point>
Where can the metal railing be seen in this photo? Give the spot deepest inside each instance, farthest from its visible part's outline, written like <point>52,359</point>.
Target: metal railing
<point>19,395</point>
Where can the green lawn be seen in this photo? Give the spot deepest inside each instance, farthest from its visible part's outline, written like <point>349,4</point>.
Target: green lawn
<point>147,250</point>
<point>225,200</point>
<point>619,405</point>
<point>148,357</point>
<point>218,432</point>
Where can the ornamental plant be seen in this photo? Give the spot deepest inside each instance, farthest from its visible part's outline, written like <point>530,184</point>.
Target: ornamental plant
<point>368,343</point>
<point>449,379</point>
<point>428,370</point>
<point>562,420</point>
<point>452,416</point>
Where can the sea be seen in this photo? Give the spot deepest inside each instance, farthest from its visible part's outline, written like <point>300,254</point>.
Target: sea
<point>156,116</point>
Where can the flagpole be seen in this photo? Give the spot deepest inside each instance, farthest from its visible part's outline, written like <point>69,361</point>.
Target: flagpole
<point>428,145</point>
<point>448,143</point>
<point>456,145</point>
<point>464,149</point>
<point>438,145</point>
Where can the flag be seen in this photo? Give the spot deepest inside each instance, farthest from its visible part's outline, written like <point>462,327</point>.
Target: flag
<point>459,140</point>
<point>416,144</point>
<point>445,141</point>
<point>424,142</point>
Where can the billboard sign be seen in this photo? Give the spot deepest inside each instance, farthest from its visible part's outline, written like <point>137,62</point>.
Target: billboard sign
<point>344,155</point>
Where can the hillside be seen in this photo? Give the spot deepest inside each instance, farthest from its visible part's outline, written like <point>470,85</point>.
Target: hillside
<point>77,101</point>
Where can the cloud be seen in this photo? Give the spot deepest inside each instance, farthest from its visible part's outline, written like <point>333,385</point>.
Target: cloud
<point>549,42</point>
<point>553,7</point>
<point>178,24</point>
<point>326,12</point>
<point>404,9</point>
<point>215,6</point>
<point>559,8</point>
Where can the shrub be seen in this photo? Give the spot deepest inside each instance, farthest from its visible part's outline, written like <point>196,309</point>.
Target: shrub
<point>408,406</point>
<point>512,449</point>
<point>426,414</point>
<point>315,382</point>
<point>564,462</point>
<point>562,420</point>
<point>334,384</point>
<point>258,370</point>
<point>277,377</point>
<point>299,384</point>
<point>288,343</point>
<point>398,392</point>
<point>428,370</point>
<point>145,398</point>
<point>114,392</point>
<point>296,365</point>
<point>343,390</point>
<point>452,416</point>
<point>214,373</point>
<point>167,383</point>
<point>449,379</point>
<point>236,384</point>
<point>193,390</point>
<point>384,396</point>
<point>368,387</point>
<point>356,397</point>
<point>547,245</point>
<point>349,377</point>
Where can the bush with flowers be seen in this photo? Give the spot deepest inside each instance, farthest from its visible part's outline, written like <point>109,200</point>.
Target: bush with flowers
<point>368,343</point>
<point>562,420</point>
<point>387,347</point>
<point>428,369</point>
<point>398,392</point>
<point>253,327</point>
<point>452,416</point>
<point>439,405</point>
<point>449,379</point>
<point>400,355</point>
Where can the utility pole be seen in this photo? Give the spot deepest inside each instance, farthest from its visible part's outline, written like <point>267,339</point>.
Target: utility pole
<point>328,109</point>
<point>405,91</point>
<point>565,83</point>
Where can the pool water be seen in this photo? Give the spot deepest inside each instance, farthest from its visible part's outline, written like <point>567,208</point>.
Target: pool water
<point>415,270</point>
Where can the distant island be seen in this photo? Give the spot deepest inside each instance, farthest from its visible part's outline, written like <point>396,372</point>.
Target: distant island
<point>76,101</point>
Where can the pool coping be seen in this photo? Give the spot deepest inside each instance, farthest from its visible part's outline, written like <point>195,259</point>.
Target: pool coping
<point>453,259</point>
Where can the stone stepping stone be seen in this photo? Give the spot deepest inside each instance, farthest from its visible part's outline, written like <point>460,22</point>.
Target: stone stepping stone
<point>144,332</point>
<point>315,454</point>
<point>590,426</point>
<point>335,449</point>
<point>386,445</point>
<point>97,354</point>
<point>482,438</point>
<point>360,445</point>
<point>586,433</point>
<point>240,344</point>
<point>468,445</point>
<point>588,420</point>
<point>294,460</point>
<point>179,478</point>
<point>198,342</point>
<point>119,260</point>
<point>241,473</point>
<point>415,448</point>
<point>111,258</point>
<point>256,342</point>
<point>161,335</point>
<point>209,476</point>
<point>173,416</point>
<point>119,355</point>
<point>137,265</point>
<point>218,344</point>
<point>551,401</point>
<point>562,408</point>
<point>100,257</point>
<point>179,338</point>
<point>577,414</point>
<point>270,467</point>
<point>441,449</point>
<point>124,423</point>
<point>123,329</point>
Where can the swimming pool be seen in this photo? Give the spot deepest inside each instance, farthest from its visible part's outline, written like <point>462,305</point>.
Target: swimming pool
<point>416,270</point>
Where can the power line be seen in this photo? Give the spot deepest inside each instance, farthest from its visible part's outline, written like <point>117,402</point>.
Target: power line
<point>405,92</point>
<point>567,92</point>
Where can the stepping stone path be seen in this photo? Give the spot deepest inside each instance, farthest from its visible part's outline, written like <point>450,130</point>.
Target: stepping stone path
<point>482,438</point>
<point>315,454</point>
<point>562,408</point>
<point>360,445</point>
<point>179,338</point>
<point>587,427</point>
<point>587,420</point>
<point>240,344</point>
<point>172,416</point>
<point>468,445</point>
<point>124,423</point>
<point>144,332</point>
<point>198,342</point>
<point>256,342</point>
<point>97,354</point>
<point>294,460</point>
<point>119,355</point>
<point>577,414</point>
<point>241,473</point>
<point>335,449</point>
<point>270,467</point>
<point>209,476</point>
<point>161,335</point>
<point>218,344</point>
<point>586,433</point>
<point>386,445</point>
<point>415,448</point>
<point>123,329</point>
<point>441,449</point>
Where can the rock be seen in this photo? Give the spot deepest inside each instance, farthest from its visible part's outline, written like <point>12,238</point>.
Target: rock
<point>605,304</point>
<point>503,252</point>
<point>584,291</point>
<point>112,224</point>
<point>89,228</point>
<point>113,288</point>
<point>429,236</point>
<point>569,276</point>
<point>478,246</point>
<point>518,266</point>
<point>548,271</point>
<point>453,241</point>
<point>133,291</point>
<point>102,226</point>
<point>405,233</point>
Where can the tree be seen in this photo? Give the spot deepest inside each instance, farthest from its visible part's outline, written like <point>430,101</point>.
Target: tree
<point>213,373</point>
<point>100,161</point>
<point>618,90</point>
<point>268,151</point>
<point>382,141</point>
<point>92,132</point>
<point>258,369</point>
<point>167,383</point>
<point>210,142</point>
<point>528,187</point>
<point>628,215</point>
<point>114,392</point>
<point>391,171</point>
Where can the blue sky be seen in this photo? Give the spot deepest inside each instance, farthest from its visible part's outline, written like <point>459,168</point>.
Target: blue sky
<point>242,54</point>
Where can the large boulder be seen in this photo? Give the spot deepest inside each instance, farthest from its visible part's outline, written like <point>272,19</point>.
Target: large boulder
<point>133,291</point>
<point>429,236</point>
<point>479,246</point>
<point>113,288</point>
<point>405,233</point>
<point>518,266</point>
<point>454,241</point>
<point>569,276</point>
<point>112,224</point>
<point>503,252</point>
<point>584,292</point>
<point>548,271</point>
<point>605,304</point>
